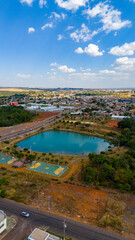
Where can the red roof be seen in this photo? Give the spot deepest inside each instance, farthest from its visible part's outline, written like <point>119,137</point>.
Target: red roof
<point>18,164</point>
<point>13,103</point>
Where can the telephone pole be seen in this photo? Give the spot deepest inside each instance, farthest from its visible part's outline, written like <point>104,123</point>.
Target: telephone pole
<point>49,203</point>
<point>64,228</point>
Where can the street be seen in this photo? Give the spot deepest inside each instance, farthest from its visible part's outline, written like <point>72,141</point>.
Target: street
<point>54,223</point>
<point>14,131</point>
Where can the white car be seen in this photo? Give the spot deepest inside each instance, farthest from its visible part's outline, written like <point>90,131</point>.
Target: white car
<point>25,214</point>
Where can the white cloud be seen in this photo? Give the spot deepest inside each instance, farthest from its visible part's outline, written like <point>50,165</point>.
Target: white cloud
<point>24,76</point>
<point>83,75</point>
<point>42,3</point>
<point>54,14</point>
<point>106,71</point>
<point>54,64</point>
<point>57,16</point>
<point>47,25</point>
<point>83,34</point>
<point>65,69</point>
<point>79,50</point>
<point>126,49</point>
<point>29,2</point>
<point>71,4</point>
<point>85,70</point>
<point>60,37</point>
<point>92,50</point>
<point>109,17</point>
<point>69,28</point>
<point>63,15</point>
<point>31,30</point>
<point>125,64</point>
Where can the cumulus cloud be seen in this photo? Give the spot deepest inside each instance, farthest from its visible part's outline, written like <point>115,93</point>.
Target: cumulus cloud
<point>109,17</point>
<point>24,76</point>
<point>126,49</point>
<point>92,50</point>
<point>125,64</point>
<point>31,30</point>
<point>83,34</point>
<point>47,25</point>
<point>79,50</point>
<point>65,69</point>
<point>60,37</point>
<point>71,4</point>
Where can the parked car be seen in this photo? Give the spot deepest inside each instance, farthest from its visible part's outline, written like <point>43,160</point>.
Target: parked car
<point>25,214</point>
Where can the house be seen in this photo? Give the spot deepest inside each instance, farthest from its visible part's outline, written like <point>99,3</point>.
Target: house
<point>13,104</point>
<point>18,164</point>
<point>3,221</point>
<point>24,160</point>
<point>39,234</point>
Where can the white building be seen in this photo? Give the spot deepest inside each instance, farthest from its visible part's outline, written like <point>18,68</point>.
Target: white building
<point>39,234</point>
<point>119,117</point>
<point>3,221</point>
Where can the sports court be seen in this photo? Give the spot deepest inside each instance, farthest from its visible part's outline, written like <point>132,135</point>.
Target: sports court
<point>47,168</point>
<point>4,159</point>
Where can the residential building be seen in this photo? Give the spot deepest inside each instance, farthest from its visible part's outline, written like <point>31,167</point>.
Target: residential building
<point>3,221</point>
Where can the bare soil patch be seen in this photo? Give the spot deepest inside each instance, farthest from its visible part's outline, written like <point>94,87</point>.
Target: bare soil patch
<point>113,124</point>
<point>44,115</point>
<point>73,201</point>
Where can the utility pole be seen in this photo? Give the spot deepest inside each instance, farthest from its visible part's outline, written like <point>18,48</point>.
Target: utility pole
<point>64,228</point>
<point>49,203</point>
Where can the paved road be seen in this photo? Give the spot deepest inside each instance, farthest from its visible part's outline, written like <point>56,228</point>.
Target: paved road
<point>37,125</point>
<point>76,230</point>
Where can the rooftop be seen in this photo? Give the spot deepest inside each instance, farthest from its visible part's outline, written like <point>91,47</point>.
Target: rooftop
<point>2,216</point>
<point>39,234</point>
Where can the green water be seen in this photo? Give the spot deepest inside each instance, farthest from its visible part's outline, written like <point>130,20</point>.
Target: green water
<point>59,142</point>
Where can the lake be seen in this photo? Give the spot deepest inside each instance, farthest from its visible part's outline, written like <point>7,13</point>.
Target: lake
<point>60,142</point>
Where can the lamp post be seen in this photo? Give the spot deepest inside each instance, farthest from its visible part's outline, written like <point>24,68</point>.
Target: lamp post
<point>64,228</point>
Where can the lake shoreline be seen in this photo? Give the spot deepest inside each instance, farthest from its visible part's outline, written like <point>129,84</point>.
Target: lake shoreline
<point>65,139</point>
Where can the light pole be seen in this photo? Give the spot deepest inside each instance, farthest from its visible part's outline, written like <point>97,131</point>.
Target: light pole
<point>64,228</point>
<point>49,203</point>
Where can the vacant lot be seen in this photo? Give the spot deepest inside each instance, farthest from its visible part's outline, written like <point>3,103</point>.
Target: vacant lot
<point>43,115</point>
<point>73,201</point>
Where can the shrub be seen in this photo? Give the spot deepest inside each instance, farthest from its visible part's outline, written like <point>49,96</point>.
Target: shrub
<point>72,178</point>
<point>15,174</point>
<point>3,193</point>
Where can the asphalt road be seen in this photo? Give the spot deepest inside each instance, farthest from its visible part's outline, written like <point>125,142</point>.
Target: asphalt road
<point>38,218</point>
<point>44,123</point>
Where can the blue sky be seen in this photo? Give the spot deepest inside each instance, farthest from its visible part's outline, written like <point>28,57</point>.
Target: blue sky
<point>67,43</point>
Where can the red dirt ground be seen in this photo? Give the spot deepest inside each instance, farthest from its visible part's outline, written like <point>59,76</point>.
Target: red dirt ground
<point>113,124</point>
<point>73,201</point>
<point>44,115</point>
